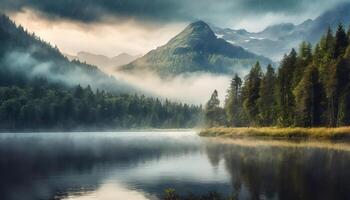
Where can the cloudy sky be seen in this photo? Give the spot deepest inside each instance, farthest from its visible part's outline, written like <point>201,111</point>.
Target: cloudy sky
<point>110,27</point>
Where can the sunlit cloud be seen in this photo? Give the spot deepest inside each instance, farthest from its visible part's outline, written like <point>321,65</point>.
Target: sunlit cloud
<point>108,39</point>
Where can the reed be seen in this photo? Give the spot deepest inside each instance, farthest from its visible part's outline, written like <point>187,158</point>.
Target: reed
<point>276,132</point>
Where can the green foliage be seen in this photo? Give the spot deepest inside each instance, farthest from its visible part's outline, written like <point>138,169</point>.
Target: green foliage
<point>214,114</point>
<point>170,194</point>
<point>303,60</point>
<point>308,94</point>
<point>311,88</point>
<point>285,97</point>
<point>267,98</point>
<point>251,94</point>
<point>341,42</point>
<point>233,103</point>
<point>46,108</point>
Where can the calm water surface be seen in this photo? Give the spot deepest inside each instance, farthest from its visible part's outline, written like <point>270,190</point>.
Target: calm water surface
<point>140,165</point>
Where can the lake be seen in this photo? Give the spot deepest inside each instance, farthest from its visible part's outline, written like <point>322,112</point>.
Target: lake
<point>141,165</point>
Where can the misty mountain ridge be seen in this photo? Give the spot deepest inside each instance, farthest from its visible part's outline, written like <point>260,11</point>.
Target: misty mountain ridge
<point>102,60</point>
<point>196,49</point>
<point>276,40</point>
<point>25,58</point>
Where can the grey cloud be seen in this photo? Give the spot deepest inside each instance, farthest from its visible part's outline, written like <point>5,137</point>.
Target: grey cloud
<point>163,10</point>
<point>96,10</point>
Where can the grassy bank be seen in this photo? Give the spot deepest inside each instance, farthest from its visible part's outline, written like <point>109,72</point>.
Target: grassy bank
<point>274,132</point>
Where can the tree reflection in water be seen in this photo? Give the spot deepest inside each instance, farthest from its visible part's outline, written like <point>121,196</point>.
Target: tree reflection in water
<point>284,172</point>
<point>58,166</point>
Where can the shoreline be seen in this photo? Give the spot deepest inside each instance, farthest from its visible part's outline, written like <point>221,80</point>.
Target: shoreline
<point>339,133</point>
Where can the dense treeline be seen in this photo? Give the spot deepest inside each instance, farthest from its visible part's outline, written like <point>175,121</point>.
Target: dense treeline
<point>310,88</point>
<point>44,108</point>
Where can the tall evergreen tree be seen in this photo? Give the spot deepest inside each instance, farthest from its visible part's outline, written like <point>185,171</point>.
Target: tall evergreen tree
<point>341,42</point>
<point>339,79</point>
<point>304,58</point>
<point>308,94</point>
<point>267,98</point>
<point>214,115</point>
<point>233,104</point>
<point>325,55</point>
<point>252,87</point>
<point>286,99</point>
<point>344,99</point>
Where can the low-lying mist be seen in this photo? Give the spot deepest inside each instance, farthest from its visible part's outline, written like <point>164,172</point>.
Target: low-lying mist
<point>26,65</point>
<point>193,88</point>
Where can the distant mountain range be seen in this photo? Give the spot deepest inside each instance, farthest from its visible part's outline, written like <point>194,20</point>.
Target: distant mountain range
<point>25,60</point>
<point>102,60</point>
<point>196,49</point>
<point>276,40</point>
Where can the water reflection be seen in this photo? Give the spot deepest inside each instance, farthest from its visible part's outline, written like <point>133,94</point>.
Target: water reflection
<point>141,165</point>
<point>44,166</point>
<point>293,171</point>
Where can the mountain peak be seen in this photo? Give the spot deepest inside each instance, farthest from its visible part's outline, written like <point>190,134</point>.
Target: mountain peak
<point>199,23</point>
<point>195,49</point>
<point>199,26</point>
<point>193,34</point>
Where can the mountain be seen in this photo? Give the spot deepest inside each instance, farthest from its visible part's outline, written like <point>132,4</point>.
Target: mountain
<point>276,40</point>
<point>253,42</point>
<point>25,59</point>
<point>196,49</point>
<point>331,18</point>
<point>103,61</point>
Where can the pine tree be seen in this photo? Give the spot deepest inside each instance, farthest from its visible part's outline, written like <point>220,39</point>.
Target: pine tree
<point>327,42</point>
<point>344,101</point>
<point>233,104</point>
<point>325,55</point>
<point>285,89</point>
<point>214,115</point>
<point>341,42</point>
<point>267,100</point>
<point>308,94</point>
<point>304,58</point>
<point>252,87</point>
<point>339,79</point>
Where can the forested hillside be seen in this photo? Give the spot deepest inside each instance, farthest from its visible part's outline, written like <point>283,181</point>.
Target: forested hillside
<point>40,89</point>
<point>25,58</point>
<point>310,88</point>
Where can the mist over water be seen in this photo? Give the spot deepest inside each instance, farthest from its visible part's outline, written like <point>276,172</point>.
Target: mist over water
<point>140,165</point>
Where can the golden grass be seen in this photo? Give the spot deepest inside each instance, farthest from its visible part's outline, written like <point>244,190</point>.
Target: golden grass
<point>342,145</point>
<point>275,132</point>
